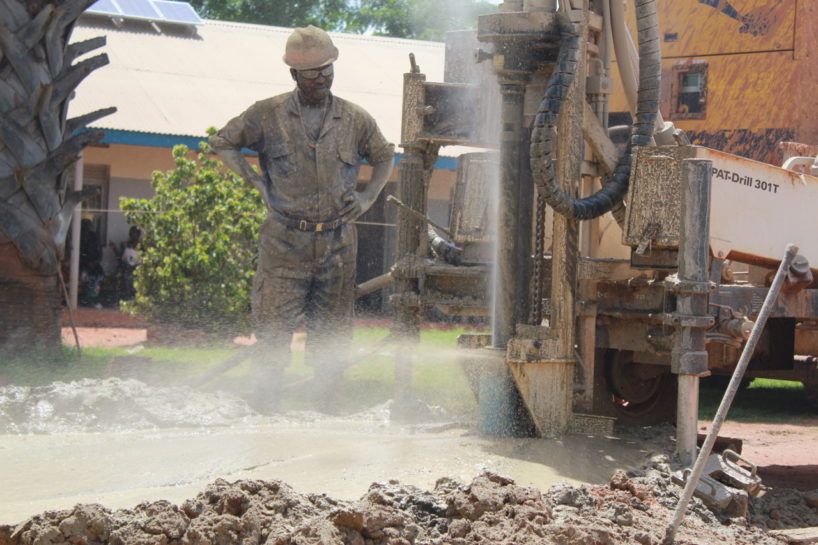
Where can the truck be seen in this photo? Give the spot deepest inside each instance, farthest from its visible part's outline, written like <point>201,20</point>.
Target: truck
<point>618,255</point>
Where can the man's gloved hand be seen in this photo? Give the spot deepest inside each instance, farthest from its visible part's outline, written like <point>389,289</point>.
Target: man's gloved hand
<point>355,204</point>
<point>358,202</point>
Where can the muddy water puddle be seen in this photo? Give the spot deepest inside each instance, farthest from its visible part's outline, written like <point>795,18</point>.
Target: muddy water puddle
<point>118,466</point>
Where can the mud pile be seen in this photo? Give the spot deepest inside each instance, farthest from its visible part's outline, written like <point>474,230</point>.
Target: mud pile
<point>491,509</point>
<point>781,508</point>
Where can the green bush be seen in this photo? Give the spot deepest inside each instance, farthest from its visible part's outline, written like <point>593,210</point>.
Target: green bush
<point>199,245</point>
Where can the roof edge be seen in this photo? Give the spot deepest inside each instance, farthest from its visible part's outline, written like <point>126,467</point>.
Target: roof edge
<point>149,139</point>
<point>157,140</point>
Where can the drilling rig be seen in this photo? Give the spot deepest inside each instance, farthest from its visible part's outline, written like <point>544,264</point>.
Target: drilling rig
<point>617,265</point>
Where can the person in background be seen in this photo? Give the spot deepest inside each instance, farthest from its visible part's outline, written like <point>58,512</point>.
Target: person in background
<point>90,249</point>
<point>130,260</point>
<point>91,273</point>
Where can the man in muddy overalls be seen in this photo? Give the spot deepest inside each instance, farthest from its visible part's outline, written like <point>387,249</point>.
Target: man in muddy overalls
<point>310,144</point>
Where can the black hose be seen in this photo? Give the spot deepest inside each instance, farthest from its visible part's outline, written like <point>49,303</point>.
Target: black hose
<point>545,122</point>
<point>444,249</point>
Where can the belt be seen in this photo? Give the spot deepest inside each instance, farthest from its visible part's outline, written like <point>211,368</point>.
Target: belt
<point>306,225</point>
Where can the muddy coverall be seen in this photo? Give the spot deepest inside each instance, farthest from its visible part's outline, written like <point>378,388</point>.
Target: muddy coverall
<point>307,255</point>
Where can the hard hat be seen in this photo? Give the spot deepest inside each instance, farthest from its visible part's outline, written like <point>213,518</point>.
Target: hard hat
<point>308,48</point>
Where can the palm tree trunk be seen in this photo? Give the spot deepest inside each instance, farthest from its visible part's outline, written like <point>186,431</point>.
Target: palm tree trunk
<point>38,75</point>
<point>30,320</point>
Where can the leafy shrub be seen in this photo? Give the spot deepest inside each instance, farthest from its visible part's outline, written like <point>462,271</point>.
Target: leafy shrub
<point>199,245</point>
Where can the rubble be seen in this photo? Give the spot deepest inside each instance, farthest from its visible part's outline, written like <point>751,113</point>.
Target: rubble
<point>631,509</point>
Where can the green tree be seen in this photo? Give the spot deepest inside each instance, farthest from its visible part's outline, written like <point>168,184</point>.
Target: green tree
<point>327,14</point>
<point>418,19</point>
<point>199,246</point>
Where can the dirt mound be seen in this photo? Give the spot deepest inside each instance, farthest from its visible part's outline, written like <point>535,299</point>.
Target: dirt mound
<point>779,508</point>
<point>631,509</point>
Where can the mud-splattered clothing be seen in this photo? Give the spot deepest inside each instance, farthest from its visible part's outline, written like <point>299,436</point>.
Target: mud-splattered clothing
<point>305,277</point>
<point>307,179</point>
<point>306,272</point>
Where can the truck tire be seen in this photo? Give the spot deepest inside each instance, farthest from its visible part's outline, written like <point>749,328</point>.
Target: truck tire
<point>640,394</point>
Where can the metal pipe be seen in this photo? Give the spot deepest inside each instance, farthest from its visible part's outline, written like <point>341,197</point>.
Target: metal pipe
<point>507,281</point>
<point>687,415</point>
<point>732,388</point>
<point>396,201</point>
<point>607,35</point>
<point>374,284</point>
<point>76,224</point>
<point>626,56</point>
<point>600,101</point>
<point>689,358</point>
<point>410,241</point>
<point>627,60</point>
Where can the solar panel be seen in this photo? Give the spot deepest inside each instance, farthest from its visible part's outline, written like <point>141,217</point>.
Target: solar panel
<point>105,7</point>
<point>139,9</point>
<point>161,11</point>
<point>178,12</point>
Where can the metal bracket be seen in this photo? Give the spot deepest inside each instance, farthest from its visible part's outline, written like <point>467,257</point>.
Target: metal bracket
<point>725,468</point>
<point>799,275</point>
<point>690,286</point>
<point>716,495</point>
<point>689,363</point>
<point>688,320</point>
<point>650,232</point>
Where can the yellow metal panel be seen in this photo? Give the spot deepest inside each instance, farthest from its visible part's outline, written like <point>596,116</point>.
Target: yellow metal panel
<point>713,27</point>
<point>751,91</point>
<point>761,74</point>
<point>806,54</point>
<point>753,101</point>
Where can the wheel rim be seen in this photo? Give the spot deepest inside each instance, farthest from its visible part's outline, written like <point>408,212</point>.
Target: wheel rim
<point>636,389</point>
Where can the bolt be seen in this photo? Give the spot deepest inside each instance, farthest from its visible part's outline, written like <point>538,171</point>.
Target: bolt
<point>481,55</point>
<point>800,265</point>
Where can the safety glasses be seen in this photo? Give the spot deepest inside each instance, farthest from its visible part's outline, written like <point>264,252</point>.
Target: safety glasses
<point>313,74</point>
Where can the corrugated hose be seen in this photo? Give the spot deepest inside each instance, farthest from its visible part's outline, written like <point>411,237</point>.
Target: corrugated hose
<point>544,125</point>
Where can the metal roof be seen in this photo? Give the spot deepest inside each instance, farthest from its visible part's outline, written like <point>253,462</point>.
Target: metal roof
<point>168,84</point>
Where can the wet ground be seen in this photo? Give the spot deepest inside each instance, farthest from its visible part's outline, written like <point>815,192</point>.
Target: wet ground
<point>118,442</point>
<point>116,461</point>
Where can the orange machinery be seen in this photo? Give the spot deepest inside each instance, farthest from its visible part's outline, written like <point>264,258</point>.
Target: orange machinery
<point>738,76</point>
